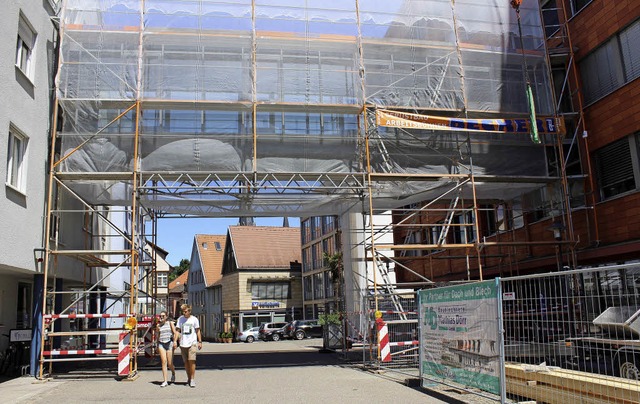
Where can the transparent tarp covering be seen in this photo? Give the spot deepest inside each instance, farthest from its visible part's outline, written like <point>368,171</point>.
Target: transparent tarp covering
<point>278,86</point>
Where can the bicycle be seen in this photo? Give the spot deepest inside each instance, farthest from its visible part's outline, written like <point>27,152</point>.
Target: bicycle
<point>7,357</point>
<point>13,360</point>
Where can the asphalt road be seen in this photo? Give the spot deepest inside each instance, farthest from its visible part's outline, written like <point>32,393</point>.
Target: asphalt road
<point>263,372</point>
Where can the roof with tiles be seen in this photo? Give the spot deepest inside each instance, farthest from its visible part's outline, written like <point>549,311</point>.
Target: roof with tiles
<point>211,251</point>
<point>265,246</point>
<point>177,285</point>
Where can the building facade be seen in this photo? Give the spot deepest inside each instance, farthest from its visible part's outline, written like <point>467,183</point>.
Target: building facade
<point>158,256</point>
<point>204,273</point>
<point>27,66</point>
<point>261,276</point>
<point>321,293</point>
<point>589,217</point>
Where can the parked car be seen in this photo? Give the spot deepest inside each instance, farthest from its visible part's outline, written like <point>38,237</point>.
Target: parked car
<point>266,331</point>
<point>300,329</point>
<point>249,335</point>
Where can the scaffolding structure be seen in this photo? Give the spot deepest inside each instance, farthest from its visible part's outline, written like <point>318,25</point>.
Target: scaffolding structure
<point>212,108</point>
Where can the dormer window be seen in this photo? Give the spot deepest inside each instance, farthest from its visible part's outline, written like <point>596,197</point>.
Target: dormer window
<point>205,245</point>
<point>218,246</point>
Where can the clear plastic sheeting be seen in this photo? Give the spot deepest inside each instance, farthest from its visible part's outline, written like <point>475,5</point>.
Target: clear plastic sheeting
<point>280,86</point>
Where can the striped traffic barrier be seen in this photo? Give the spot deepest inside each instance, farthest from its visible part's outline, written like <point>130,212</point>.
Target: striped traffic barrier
<point>124,354</point>
<point>383,341</point>
<point>404,343</point>
<point>68,352</point>
<point>88,315</point>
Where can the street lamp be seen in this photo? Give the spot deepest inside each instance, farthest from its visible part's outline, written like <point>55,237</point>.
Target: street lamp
<point>557,228</point>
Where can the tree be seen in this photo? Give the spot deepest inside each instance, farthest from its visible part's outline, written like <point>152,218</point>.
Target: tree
<point>336,269</point>
<point>334,263</point>
<point>180,269</point>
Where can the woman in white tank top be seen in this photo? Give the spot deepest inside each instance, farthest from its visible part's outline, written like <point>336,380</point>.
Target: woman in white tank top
<point>166,336</point>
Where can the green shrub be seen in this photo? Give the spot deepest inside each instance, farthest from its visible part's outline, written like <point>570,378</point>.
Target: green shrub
<point>332,318</point>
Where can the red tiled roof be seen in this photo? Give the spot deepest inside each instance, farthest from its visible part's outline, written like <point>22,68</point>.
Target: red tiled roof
<point>210,256</point>
<point>265,246</point>
<point>179,282</point>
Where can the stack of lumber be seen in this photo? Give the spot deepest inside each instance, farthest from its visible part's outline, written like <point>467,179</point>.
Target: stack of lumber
<point>555,385</point>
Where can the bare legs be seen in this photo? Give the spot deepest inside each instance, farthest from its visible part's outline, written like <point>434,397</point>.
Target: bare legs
<point>166,359</point>
<point>190,368</point>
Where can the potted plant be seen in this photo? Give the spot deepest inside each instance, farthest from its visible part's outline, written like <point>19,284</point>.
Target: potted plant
<point>228,337</point>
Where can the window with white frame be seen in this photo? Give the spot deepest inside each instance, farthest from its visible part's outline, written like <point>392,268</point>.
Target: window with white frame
<point>16,159</point>
<point>162,280</point>
<point>24,47</point>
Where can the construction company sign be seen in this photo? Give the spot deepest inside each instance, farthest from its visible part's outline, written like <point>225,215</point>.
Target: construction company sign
<point>459,338</point>
<point>396,119</point>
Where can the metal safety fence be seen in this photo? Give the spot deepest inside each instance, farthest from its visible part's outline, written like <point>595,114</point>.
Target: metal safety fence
<point>563,337</point>
<point>392,324</point>
<point>573,336</point>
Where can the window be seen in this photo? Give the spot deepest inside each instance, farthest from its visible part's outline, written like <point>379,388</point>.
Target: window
<point>308,288</point>
<point>577,5</point>
<point>24,47</point>
<point>615,63</point>
<point>162,280</point>
<point>218,246</point>
<point>617,167</point>
<point>463,228</point>
<point>516,219</point>
<point>550,13</point>
<point>270,290</point>
<point>16,164</point>
<point>318,286</point>
<point>23,315</point>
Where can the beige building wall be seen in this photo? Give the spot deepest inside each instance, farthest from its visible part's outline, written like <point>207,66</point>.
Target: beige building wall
<point>236,289</point>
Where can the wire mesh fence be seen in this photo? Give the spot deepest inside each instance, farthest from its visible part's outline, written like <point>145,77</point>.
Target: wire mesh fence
<point>573,336</point>
<point>396,316</point>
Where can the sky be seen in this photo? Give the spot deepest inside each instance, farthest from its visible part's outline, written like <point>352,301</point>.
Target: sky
<point>176,235</point>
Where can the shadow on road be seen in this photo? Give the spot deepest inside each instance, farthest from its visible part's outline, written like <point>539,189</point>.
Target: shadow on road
<point>251,360</point>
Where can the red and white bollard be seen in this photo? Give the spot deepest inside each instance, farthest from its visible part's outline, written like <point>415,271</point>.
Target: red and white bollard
<point>124,353</point>
<point>383,340</point>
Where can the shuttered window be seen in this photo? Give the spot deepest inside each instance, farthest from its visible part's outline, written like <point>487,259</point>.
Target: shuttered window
<point>615,63</point>
<point>24,47</point>
<point>629,40</point>
<point>615,168</point>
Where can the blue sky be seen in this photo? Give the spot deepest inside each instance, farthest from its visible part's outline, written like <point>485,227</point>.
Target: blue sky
<point>176,235</point>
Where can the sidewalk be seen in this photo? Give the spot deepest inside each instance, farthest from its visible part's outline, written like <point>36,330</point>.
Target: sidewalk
<point>282,372</point>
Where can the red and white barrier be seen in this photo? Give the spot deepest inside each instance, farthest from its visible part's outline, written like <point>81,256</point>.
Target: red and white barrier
<point>405,343</point>
<point>64,352</point>
<point>88,315</point>
<point>383,341</point>
<point>124,354</point>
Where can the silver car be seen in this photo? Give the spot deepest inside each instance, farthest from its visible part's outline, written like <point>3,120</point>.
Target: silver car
<point>249,335</point>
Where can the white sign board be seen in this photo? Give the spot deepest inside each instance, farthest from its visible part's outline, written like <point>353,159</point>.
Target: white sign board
<point>20,335</point>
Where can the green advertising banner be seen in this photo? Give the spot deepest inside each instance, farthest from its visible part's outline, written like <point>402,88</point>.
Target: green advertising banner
<point>459,338</point>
